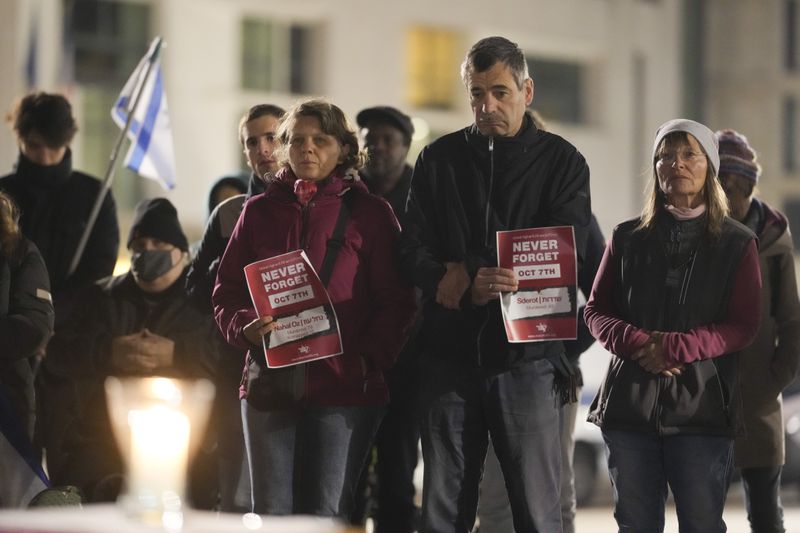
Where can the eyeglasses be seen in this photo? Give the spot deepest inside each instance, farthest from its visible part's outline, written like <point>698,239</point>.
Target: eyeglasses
<point>688,156</point>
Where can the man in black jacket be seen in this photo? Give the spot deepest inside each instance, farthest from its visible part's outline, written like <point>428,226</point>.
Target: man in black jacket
<point>257,134</point>
<point>55,202</point>
<point>140,323</point>
<point>494,511</point>
<point>501,173</point>
<point>386,134</point>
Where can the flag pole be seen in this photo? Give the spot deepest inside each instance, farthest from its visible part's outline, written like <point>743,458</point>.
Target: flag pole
<point>109,175</point>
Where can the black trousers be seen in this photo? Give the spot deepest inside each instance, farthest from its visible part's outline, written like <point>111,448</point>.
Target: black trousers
<point>763,499</point>
<point>390,485</point>
<point>397,444</point>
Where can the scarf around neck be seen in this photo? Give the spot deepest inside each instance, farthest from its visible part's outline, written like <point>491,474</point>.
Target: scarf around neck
<point>304,190</point>
<point>685,213</point>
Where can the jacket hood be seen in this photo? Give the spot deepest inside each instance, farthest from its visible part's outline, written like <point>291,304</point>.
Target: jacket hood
<point>774,237</point>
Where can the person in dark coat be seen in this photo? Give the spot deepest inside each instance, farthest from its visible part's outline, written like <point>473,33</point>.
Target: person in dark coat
<point>306,457</point>
<point>676,296</point>
<point>26,315</point>
<point>140,323</point>
<point>257,135</point>
<point>500,173</point>
<point>55,202</point>
<point>768,365</point>
<point>26,323</point>
<point>224,188</point>
<point>386,134</point>
<point>494,512</point>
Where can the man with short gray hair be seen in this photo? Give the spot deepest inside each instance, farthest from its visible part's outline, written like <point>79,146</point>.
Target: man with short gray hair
<point>500,173</point>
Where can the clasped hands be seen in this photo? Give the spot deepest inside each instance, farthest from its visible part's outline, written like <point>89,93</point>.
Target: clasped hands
<point>142,352</point>
<point>651,357</point>
<point>489,282</point>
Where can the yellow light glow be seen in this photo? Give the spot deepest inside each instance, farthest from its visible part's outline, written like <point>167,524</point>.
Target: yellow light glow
<point>432,75</point>
<point>165,389</point>
<point>421,129</point>
<point>159,455</point>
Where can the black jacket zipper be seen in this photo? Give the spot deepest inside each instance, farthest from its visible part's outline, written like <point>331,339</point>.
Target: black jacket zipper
<point>486,241</point>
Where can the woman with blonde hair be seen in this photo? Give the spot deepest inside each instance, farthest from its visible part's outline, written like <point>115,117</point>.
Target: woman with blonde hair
<point>306,453</point>
<point>676,296</point>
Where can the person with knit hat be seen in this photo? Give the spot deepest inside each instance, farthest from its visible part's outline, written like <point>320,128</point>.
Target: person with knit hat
<point>675,297</point>
<point>738,172</point>
<point>159,248</point>
<point>769,364</point>
<point>140,323</point>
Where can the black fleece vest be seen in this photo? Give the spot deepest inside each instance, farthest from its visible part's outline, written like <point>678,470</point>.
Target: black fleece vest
<point>703,398</point>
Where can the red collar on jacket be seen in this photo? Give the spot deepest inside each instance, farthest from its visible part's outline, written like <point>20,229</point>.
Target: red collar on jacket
<point>334,185</point>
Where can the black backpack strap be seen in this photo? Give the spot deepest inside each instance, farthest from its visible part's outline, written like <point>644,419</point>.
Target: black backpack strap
<point>336,242</point>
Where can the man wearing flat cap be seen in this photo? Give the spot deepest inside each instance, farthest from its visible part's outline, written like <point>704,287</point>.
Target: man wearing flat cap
<point>386,134</point>
<point>139,323</point>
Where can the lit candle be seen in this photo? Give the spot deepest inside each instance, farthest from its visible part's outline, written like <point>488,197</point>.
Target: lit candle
<point>159,457</point>
<point>158,422</point>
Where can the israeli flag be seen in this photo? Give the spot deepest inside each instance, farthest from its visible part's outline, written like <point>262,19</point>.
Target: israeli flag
<point>151,153</point>
<point>22,475</point>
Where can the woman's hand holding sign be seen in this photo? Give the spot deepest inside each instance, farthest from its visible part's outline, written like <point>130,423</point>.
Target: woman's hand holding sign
<point>255,330</point>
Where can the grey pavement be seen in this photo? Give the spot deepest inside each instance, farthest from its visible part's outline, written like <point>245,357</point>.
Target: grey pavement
<point>599,518</point>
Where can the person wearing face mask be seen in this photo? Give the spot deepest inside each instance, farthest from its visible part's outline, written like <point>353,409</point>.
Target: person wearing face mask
<point>307,451</point>
<point>140,323</point>
<point>257,135</point>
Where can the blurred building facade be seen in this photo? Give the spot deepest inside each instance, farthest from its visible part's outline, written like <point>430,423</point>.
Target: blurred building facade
<point>747,75</point>
<point>606,73</point>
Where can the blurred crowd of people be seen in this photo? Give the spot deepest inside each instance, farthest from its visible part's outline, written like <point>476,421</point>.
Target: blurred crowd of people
<point>695,299</point>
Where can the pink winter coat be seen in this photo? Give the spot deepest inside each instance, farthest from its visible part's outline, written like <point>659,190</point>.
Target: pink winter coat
<point>374,305</point>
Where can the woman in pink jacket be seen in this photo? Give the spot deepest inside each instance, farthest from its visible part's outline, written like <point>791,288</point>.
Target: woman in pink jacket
<point>306,455</point>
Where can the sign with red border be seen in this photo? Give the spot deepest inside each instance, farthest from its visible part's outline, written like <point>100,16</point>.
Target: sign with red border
<point>545,307</point>
<point>287,288</point>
